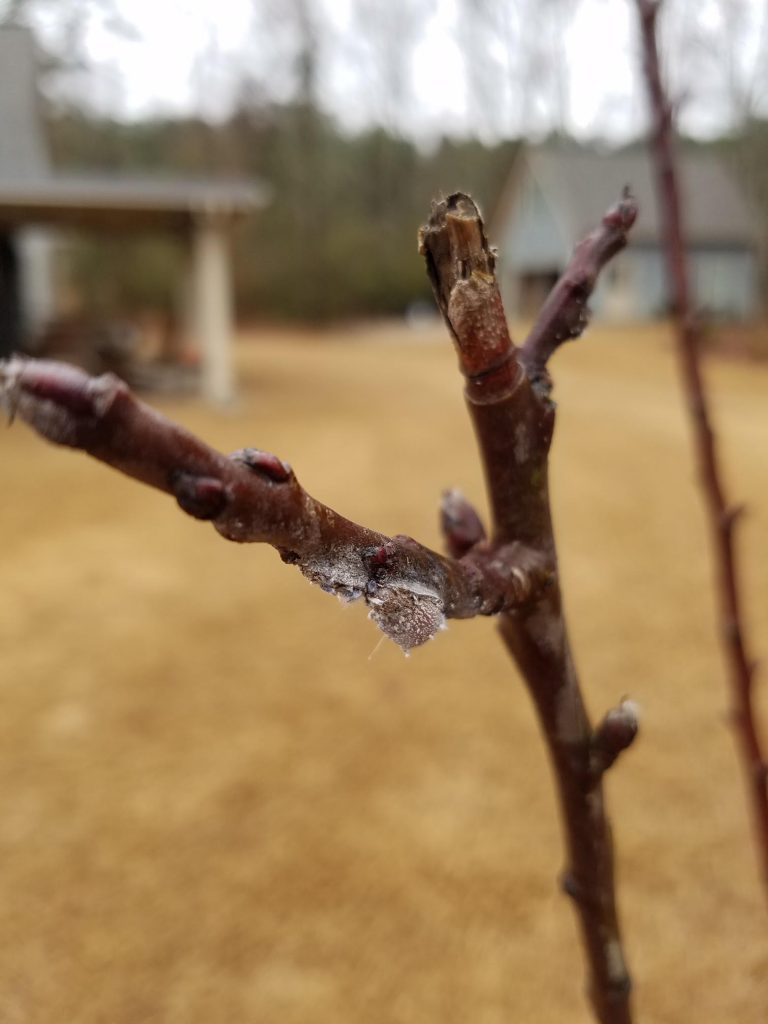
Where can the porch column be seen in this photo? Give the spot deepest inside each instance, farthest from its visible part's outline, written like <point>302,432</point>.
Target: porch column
<point>211,307</point>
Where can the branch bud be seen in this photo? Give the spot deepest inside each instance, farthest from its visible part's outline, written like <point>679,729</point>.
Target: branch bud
<point>460,523</point>
<point>202,497</point>
<point>265,464</point>
<point>615,733</point>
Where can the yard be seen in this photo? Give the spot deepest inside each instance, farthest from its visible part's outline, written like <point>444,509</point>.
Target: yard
<point>224,802</point>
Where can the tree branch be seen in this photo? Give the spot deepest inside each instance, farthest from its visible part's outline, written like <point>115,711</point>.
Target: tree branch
<point>565,313</point>
<point>722,516</point>
<point>513,420</point>
<point>255,496</point>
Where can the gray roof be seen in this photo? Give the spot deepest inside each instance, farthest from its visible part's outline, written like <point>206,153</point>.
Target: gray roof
<point>23,151</point>
<point>583,184</point>
<point>125,203</point>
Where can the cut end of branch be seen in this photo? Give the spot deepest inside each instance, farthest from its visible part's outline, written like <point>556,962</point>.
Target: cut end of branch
<point>454,245</point>
<point>461,268</point>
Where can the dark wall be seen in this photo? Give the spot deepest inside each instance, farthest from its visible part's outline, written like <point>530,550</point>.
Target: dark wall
<point>10,308</point>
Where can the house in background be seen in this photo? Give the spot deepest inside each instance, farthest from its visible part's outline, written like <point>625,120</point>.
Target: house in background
<point>556,195</point>
<point>35,199</point>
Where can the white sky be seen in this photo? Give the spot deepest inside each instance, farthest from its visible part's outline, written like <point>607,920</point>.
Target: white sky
<point>190,54</point>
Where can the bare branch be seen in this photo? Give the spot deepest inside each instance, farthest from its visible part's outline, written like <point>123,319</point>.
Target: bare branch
<point>722,516</point>
<point>254,496</point>
<point>410,590</point>
<point>513,421</point>
<point>565,314</point>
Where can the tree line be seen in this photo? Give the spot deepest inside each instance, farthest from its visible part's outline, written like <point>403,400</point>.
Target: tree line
<point>337,239</point>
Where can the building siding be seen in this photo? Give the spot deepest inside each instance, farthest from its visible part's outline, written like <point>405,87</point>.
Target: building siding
<point>635,285</point>
<point>539,231</point>
<point>532,242</point>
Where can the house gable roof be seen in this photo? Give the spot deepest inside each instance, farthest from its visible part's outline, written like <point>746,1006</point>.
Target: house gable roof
<point>581,184</point>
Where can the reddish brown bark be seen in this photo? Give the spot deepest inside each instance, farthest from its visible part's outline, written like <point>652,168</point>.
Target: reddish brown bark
<point>722,515</point>
<point>507,396</point>
<point>254,496</point>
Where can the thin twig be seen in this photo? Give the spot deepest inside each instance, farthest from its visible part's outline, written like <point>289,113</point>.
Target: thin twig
<point>565,313</point>
<point>722,515</point>
<point>513,420</point>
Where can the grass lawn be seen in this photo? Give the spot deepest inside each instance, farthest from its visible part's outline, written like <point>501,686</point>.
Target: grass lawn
<point>223,802</point>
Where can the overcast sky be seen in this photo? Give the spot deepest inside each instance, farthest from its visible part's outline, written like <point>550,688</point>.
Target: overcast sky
<point>188,55</point>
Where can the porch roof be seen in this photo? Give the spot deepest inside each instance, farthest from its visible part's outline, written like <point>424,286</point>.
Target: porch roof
<point>113,203</point>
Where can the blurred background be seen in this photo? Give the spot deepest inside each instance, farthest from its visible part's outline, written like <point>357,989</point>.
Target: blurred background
<point>223,800</point>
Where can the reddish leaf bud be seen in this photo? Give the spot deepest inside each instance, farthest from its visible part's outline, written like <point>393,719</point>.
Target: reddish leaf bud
<point>203,497</point>
<point>460,523</point>
<point>264,463</point>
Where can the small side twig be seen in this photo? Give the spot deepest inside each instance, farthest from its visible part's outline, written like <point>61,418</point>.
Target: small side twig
<point>565,313</point>
<point>722,515</point>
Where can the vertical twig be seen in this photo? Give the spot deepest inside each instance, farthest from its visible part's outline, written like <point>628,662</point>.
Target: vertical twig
<point>507,394</point>
<point>722,515</point>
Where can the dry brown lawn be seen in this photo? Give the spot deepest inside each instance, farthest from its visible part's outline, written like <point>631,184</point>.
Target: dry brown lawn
<point>223,803</point>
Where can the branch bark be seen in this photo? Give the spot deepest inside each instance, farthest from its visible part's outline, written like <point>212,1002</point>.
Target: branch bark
<point>253,496</point>
<point>722,515</point>
<point>507,396</point>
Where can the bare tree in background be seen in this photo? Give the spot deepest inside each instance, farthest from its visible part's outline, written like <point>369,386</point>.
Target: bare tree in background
<point>724,74</point>
<point>723,516</point>
<point>67,69</point>
<point>515,64</point>
<point>384,36</point>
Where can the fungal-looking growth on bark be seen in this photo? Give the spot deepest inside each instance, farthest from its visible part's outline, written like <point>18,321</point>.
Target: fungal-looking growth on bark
<point>510,572</point>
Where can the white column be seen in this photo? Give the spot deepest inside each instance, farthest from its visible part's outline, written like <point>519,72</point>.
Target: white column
<point>36,258</point>
<point>211,308</point>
